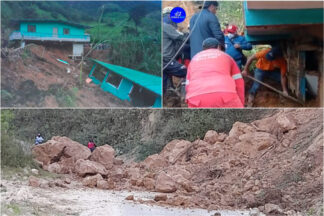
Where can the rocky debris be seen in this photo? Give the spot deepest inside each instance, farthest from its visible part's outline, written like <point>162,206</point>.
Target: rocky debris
<point>212,137</point>
<point>54,168</point>
<point>57,147</point>
<point>272,209</point>
<point>34,181</point>
<point>35,171</point>
<point>118,161</point>
<point>104,155</point>
<point>164,183</point>
<point>84,167</point>
<point>160,197</point>
<point>91,181</point>
<point>155,161</point>
<point>130,197</point>
<point>176,150</point>
<point>270,164</point>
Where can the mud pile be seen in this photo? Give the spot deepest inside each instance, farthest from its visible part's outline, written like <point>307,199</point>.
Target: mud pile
<point>274,164</point>
<point>33,77</point>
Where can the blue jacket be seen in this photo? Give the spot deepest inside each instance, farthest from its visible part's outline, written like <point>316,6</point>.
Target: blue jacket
<point>207,26</point>
<point>233,52</point>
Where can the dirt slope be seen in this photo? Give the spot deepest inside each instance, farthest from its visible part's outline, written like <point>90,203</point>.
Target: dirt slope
<point>33,77</point>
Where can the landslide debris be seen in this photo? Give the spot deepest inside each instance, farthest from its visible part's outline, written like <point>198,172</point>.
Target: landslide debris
<point>273,164</point>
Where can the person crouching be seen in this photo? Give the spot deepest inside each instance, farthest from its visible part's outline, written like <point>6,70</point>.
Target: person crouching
<point>214,79</point>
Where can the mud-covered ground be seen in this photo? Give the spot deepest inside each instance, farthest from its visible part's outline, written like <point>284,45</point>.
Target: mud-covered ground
<point>20,199</point>
<point>33,77</point>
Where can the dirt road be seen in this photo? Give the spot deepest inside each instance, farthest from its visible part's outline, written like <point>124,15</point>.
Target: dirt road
<point>20,199</point>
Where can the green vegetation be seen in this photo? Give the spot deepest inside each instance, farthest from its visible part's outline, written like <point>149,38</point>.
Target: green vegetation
<point>141,132</point>
<point>66,98</point>
<point>131,29</point>
<point>12,151</point>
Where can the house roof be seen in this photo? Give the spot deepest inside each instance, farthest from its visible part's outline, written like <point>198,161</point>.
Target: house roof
<point>51,21</point>
<point>148,81</point>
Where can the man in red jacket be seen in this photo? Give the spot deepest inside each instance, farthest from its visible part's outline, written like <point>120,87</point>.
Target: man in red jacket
<point>214,79</point>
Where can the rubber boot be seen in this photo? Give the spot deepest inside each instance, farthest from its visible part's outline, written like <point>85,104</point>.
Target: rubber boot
<point>250,100</point>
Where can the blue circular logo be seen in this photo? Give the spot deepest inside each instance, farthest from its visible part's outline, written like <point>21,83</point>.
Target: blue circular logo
<point>178,15</point>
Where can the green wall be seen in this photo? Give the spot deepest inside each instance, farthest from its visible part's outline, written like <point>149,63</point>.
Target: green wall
<point>46,30</point>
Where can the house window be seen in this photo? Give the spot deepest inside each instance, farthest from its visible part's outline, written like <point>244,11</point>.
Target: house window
<point>31,28</point>
<point>66,31</point>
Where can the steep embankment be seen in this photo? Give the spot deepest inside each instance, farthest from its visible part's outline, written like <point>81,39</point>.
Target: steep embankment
<point>34,77</point>
<point>273,164</point>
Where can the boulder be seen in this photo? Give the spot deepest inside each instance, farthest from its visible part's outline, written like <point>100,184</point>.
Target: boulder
<point>211,137</point>
<point>176,150</point>
<point>57,147</point>
<point>155,161</point>
<point>118,162</point>
<point>286,123</point>
<point>91,181</point>
<point>35,171</point>
<point>272,208</point>
<point>130,197</point>
<point>251,143</point>
<point>33,181</point>
<point>84,167</point>
<point>149,183</point>
<point>165,183</point>
<point>240,128</point>
<point>104,155</point>
<point>186,184</point>
<point>54,168</point>
<point>160,197</point>
<point>102,184</point>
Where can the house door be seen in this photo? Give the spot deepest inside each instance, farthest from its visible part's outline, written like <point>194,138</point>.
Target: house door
<point>55,31</point>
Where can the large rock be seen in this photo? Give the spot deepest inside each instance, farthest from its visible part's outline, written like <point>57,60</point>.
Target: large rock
<point>176,150</point>
<point>104,155</point>
<point>251,143</point>
<point>91,181</point>
<point>240,128</point>
<point>34,182</point>
<point>84,167</point>
<point>155,161</point>
<point>212,137</point>
<point>57,147</point>
<point>102,184</point>
<point>165,183</point>
<point>149,183</point>
<point>54,168</point>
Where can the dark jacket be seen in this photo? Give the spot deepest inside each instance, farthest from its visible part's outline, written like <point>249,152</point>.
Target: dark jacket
<point>172,39</point>
<point>207,26</point>
<point>236,54</point>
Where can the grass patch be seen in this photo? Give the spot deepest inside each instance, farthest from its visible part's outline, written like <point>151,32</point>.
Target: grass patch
<point>66,98</point>
<point>14,208</point>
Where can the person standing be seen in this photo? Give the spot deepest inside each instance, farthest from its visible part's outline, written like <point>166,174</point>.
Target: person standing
<point>213,79</point>
<point>234,44</point>
<point>172,40</point>
<point>204,24</point>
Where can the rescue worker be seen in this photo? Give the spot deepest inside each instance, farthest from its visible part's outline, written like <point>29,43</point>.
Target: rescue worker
<point>172,41</point>
<point>91,145</point>
<point>213,79</point>
<point>234,44</point>
<point>207,26</point>
<point>270,63</point>
<point>39,139</point>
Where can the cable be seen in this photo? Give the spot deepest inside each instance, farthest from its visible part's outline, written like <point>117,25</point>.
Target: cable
<point>185,41</point>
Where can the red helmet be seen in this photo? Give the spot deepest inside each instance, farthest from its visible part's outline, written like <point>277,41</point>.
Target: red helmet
<point>232,29</point>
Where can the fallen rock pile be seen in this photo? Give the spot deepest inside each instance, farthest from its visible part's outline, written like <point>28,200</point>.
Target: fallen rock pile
<point>273,164</point>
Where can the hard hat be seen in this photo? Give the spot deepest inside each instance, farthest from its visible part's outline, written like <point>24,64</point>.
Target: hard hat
<point>232,29</point>
<point>167,10</point>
